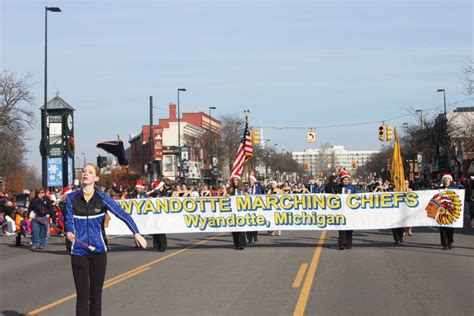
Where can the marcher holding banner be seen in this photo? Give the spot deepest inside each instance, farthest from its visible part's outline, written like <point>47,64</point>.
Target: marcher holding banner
<point>238,237</point>
<point>253,189</point>
<point>447,233</point>
<point>274,190</point>
<point>345,187</point>
<point>408,230</point>
<point>85,214</point>
<point>160,241</point>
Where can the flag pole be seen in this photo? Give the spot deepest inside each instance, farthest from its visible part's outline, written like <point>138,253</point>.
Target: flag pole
<point>247,112</point>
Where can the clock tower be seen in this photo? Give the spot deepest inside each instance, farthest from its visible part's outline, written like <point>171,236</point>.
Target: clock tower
<point>58,152</point>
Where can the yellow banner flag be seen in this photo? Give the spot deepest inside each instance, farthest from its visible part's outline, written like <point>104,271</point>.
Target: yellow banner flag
<point>396,170</point>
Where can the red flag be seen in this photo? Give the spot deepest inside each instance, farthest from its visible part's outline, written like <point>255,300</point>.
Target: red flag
<point>244,153</point>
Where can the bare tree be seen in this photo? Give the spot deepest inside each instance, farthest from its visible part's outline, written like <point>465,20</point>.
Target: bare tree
<point>15,110</point>
<point>231,135</point>
<point>468,77</point>
<point>16,115</point>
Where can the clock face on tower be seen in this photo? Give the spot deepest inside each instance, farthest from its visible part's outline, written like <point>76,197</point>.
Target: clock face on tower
<point>69,122</point>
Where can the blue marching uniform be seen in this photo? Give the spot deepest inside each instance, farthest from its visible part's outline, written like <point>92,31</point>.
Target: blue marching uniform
<point>85,219</point>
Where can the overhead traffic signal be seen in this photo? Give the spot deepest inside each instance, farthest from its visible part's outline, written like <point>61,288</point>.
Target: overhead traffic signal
<point>255,137</point>
<point>389,133</point>
<point>382,132</point>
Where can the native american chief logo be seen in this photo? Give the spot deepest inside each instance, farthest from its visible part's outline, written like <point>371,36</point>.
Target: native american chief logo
<point>444,207</point>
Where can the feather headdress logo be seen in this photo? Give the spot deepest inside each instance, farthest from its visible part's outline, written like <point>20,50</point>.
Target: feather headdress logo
<point>444,207</point>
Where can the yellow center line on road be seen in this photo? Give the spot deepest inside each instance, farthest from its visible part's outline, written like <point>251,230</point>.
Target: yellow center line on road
<point>308,282</point>
<point>128,276</point>
<point>124,276</point>
<point>299,276</point>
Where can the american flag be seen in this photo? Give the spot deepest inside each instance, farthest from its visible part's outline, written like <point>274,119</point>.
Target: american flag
<point>244,153</point>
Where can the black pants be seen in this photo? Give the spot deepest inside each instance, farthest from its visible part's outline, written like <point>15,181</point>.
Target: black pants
<point>252,236</point>
<point>89,275</point>
<point>447,236</point>
<point>345,238</point>
<point>239,239</point>
<point>18,239</point>
<point>398,234</point>
<point>160,242</point>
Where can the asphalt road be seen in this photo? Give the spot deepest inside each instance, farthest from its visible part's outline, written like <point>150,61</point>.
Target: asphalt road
<point>296,273</point>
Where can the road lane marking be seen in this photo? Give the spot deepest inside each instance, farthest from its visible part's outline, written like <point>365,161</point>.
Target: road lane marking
<point>308,282</point>
<point>299,276</point>
<point>70,297</point>
<point>39,310</point>
<point>124,276</point>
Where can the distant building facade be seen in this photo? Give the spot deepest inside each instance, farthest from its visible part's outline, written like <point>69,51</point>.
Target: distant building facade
<point>165,145</point>
<point>317,160</point>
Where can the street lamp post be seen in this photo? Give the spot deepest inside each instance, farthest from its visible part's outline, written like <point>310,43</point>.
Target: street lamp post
<point>84,161</point>
<point>150,171</point>
<point>421,117</point>
<point>444,95</point>
<point>268,157</point>
<point>445,128</point>
<point>276,152</point>
<point>211,153</point>
<point>44,136</point>
<point>179,135</point>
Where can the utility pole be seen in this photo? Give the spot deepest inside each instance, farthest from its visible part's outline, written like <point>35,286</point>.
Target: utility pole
<point>151,141</point>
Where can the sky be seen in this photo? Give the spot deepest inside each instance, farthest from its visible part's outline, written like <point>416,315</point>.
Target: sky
<point>306,64</point>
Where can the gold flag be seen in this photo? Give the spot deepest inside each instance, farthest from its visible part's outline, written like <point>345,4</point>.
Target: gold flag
<point>396,170</point>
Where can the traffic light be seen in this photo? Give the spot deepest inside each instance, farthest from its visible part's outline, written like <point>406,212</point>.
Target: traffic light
<point>256,137</point>
<point>389,133</point>
<point>101,161</point>
<point>382,132</point>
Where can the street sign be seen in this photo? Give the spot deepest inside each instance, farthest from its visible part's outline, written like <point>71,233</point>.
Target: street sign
<point>184,152</point>
<point>55,150</point>
<point>311,137</point>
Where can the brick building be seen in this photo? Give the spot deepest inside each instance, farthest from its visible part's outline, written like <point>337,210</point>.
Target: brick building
<point>165,145</point>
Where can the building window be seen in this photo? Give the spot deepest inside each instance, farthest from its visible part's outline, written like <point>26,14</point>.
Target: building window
<point>168,164</point>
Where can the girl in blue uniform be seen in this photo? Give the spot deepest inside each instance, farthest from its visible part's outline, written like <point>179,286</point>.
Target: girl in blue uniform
<point>85,213</point>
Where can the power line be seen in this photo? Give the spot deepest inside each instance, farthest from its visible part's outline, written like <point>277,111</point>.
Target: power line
<point>358,123</point>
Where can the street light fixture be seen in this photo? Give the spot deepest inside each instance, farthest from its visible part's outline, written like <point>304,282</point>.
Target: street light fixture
<point>44,134</point>
<point>445,142</point>
<point>84,162</point>
<point>267,157</point>
<point>179,134</point>
<point>211,153</point>
<point>421,117</point>
<point>152,142</point>
<point>210,125</point>
<point>444,95</point>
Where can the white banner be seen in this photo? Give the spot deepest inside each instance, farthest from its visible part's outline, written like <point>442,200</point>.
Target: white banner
<point>378,210</point>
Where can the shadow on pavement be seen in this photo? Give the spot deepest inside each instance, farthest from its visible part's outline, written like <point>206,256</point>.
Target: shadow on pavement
<point>11,313</point>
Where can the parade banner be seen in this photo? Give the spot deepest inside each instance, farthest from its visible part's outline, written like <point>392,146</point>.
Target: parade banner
<point>373,210</point>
